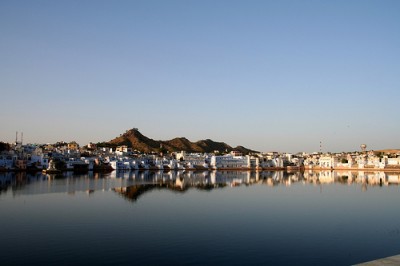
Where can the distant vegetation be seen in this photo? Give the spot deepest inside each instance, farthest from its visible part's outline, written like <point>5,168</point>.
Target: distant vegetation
<point>106,145</point>
<point>4,146</point>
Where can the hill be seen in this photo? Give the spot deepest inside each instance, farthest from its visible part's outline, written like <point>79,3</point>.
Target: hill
<point>136,140</point>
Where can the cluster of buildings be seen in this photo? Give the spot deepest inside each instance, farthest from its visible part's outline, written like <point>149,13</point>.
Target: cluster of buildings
<point>69,156</point>
<point>63,156</point>
<point>357,161</point>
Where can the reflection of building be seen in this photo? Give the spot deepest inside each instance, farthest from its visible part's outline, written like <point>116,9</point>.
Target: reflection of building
<point>392,179</point>
<point>321,177</point>
<point>134,183</point>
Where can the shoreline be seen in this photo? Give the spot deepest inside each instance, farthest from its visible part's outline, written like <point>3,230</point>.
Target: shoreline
<point>259,169</point>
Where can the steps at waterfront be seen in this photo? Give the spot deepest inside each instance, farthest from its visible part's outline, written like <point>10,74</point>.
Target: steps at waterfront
<point>388,261</point>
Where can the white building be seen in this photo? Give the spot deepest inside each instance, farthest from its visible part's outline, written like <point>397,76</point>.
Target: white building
<point>275,162</point>
<point>229,161</point>
<point>328,161</point>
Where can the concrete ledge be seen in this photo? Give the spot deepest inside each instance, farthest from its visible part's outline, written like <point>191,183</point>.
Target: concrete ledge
<point>394,260</point>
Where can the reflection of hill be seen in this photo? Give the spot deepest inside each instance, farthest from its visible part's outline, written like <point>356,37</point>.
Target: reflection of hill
<point>134,192</point>
<point>209,187</point>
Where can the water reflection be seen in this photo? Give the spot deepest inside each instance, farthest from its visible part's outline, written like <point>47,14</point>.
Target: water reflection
<point>263,218</point>
<point>369,178</point>
<point>134,183</point>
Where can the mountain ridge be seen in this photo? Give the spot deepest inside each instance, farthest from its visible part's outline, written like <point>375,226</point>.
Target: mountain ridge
<point>137,141</point>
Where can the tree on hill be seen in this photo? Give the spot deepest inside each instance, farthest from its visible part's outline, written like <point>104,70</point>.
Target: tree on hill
<point>106,145</point>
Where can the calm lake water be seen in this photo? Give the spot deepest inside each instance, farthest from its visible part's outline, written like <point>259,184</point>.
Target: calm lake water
<point>199,218</point>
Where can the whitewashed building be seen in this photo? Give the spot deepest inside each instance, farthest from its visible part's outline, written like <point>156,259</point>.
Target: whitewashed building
<point>229,161</point>
<point>328,161</point>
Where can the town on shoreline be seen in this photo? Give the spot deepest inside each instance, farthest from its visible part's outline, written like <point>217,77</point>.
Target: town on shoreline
<point>63,156</point>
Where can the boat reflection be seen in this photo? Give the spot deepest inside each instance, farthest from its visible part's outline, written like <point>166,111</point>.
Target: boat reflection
<point>132,184</point>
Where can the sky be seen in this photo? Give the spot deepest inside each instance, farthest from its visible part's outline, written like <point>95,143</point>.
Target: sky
<point>281,76</point>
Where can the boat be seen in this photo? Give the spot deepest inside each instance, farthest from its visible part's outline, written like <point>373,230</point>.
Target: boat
<point>51,169</point>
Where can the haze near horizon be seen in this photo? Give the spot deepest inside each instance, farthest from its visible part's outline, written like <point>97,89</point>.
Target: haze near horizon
<point>267,75</point>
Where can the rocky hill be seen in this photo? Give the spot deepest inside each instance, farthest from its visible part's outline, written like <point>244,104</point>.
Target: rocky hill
<point>136,140</point>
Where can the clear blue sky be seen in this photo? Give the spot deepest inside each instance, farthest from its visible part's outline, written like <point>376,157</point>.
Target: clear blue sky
<point>268,75</point>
